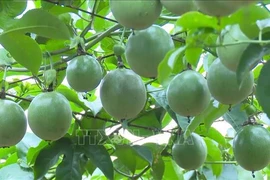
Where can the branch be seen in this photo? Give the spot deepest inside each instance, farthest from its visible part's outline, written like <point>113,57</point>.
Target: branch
<point>220,162</point>
<point>141,173</point>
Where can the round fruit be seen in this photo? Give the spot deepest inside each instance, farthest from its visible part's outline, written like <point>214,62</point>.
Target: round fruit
<point>178,7</point>
<point>247,18</point>
<point>223,85</point>
<point>250,110</point>
<point>146,49</point>
<point>217,7</point>
<point>230,56</point>
<point>122,94</point>
<point>191,153</point>
<point>136,14</point>
<point>188,94</point>
<point>84,73</point>
<point>49,115</point>
<point>13,123</point>
<point>118,49</point>
<point>251,147</point>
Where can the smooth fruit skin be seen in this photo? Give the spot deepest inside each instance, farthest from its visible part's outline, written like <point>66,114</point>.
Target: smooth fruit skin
<point>251,147</point>
<point>49,115</point>
<point>122,94</point>
<point>189,154</point>
<point>146,49</point>
<point>84,73</point>
<point>118,49</point>
<point>13,123</point>
<point>230,56</point>
<point>223,86</point>
<point>136,14</point>
<point>217,7</point>
<point>179,7</point>
<point>188,94</point>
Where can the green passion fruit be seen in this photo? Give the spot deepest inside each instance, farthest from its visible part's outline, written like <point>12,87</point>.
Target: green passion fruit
<point>118,49</point>
<point>223,86</point>
<point>188,94</point>
<point>13,123</point>
<point>230,56</point>
<point>145,49</point>
<point>84,73</point>
<point>136,14</point>
<point>191,153</point>
<point>122,94</point>
<point>251,147</point>
<point>49,115</point>
<point>179,7</point>
<point>217,7</point>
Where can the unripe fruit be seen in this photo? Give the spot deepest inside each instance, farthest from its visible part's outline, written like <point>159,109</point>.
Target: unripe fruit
<point>49,115</point>
<point>217,7</point>
<point>178,7</point>
<point>146,49</point>
<point>13,123</point>
<point>84,73</point>
<point>118,49</point>
<point>230,56</point>
<point>251,147</point>
<point>223,86</point>
<point>191,153</point>
<point>122,94</point>
<point>188,94</point>
<point>136,14</point>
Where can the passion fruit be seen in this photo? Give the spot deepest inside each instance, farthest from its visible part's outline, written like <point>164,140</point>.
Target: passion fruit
<point>118,49</point>
<point>179,7</point>
<point>230,56</point>
<point>49,115</point>
<point>217,7</point>
<point>188,94</point>
<point>145,49</point>
<point>223,86</point>
<point>251,147</point>
<point>84,73</point>
<point>136,14</point>
<point>122,94</point>
<point>13,123</point>
<point>191,153</point>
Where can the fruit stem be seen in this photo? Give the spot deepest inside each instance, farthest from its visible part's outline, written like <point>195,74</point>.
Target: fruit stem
<point>120,63</point>
<point>122,36</point>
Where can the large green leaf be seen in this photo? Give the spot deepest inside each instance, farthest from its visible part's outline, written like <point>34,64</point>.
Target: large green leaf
<point>168,64</point>
<point>263,88</point>
<point>14,171</point>
<point>49,156</point>
<point>16,43</point>
<point>236,117</point>
<point>172,170</point>
<point>12,8</point>
<point>99,156</point>
<point>42,23</point>
<point>72,166</point>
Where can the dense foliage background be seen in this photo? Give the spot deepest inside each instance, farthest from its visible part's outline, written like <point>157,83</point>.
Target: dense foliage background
<point>53,32</point>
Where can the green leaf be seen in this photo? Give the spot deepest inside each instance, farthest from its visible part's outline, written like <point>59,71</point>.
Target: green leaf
<point>211,133</point>
<point>42,23</point>
<point>49,155</point>
<point>236,117</point>
<point>172,170</point>
<point>15,44</point>
<point>263,87</point>
<point>34,151</point>
<point>209,115</point>
<point>99,156</point>
<point>12,8</point>
<point>72,167</point>
<point>193,55</point>
<point>144,152</point>
<point>158,168</point>
<point>148,119</point>
<point>194,20</point>
<point>214,154</point>
<point>14,171</point>
<point>167,65</point>
<point>4,152</point>
<point>249,59</point>
<point>5,58</point>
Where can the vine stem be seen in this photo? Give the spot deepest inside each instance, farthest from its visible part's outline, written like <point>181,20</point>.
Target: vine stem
<point>3,86</point>
<point>171,18</point>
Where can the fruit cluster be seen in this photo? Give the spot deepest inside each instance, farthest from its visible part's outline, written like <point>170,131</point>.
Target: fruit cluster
<point>123,93</point>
